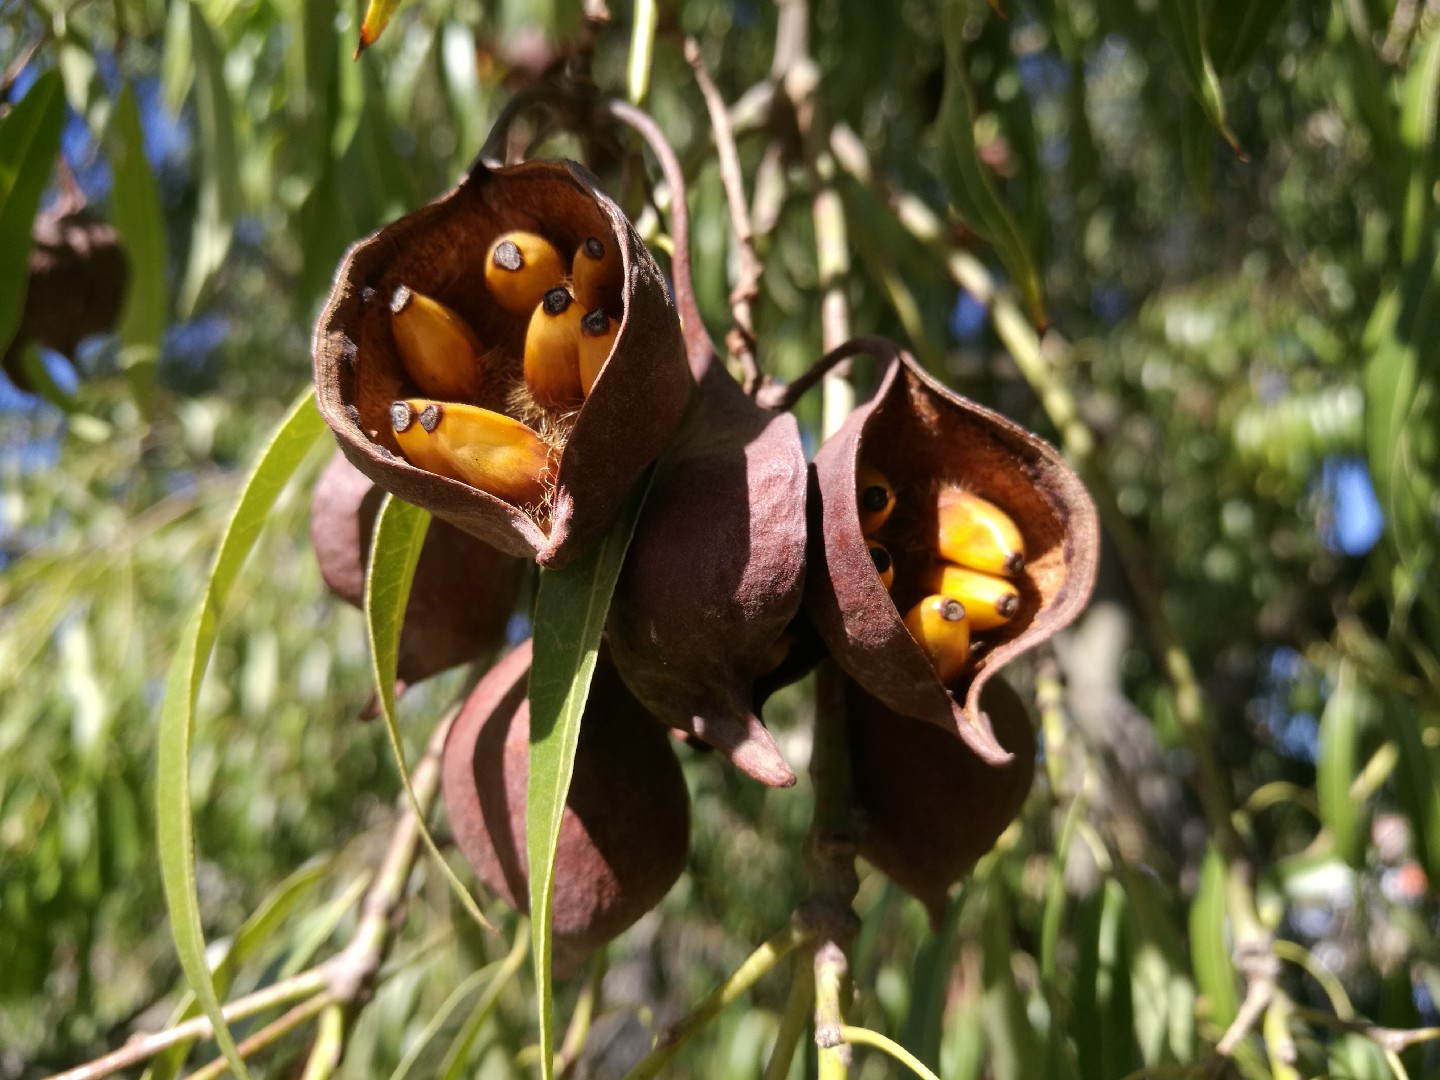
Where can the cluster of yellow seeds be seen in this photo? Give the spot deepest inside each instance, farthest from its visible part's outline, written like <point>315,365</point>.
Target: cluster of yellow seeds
<point>573,322</point>
<point>974,552</point>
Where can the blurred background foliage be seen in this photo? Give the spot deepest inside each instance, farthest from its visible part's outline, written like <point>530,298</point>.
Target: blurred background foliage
<point>1242,360</point>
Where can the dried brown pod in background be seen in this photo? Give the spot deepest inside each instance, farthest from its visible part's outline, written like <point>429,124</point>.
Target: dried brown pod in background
<point>929,806</point>
<point>625,829</point>
<point>78,275</point>
<point>715,573</point>
<point>464,590</point>
<point>603,447</point>
<point>920,434</point>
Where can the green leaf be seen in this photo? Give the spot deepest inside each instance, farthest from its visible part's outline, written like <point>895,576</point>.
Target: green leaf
<point>1210,951</point>
<point>1101,987</point>
<point>1236,29</point>
<point>967,178</point>
<point>253,934</point>
<point>400,529</point>
<point>29,143</point>
<point>1017,1049</point>
<point>1180,20</point>
<point>135,204</point>
<point>1336,766</point>
<point>1417,776</point>
<point>1162,996</point>
<point>175,836</point>
<point>1419,133</point>
<point>219,170</point>
<point>570,611</point>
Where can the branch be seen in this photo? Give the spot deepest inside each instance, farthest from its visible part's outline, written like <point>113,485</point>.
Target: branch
<point>346,979</point>
<point>741,340</point>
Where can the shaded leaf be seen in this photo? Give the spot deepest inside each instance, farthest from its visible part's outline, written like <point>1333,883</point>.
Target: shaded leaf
<point>1336,765</point>
<point>1181,22</point>
<point>29,143</point>
<point>1209,943</point>
<point>1419,134</point>
<point>967,178</point>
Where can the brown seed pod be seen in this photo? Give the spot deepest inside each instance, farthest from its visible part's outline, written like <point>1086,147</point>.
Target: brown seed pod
<point>464,590</point>
<point>632,410</point>
<point>77,280</point>
<point>626,824</point>
<point>929,806</point>
<point>715,574</point>
<point>920,435</point>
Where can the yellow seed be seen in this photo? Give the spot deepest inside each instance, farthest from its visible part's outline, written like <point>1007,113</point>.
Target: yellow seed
<point>437,347</point>
<point>875,497</point>
<point>975,533</point>
<point>989,601</point>
<point>939,625</point>
<point>596,272</point>
<point>597,338</point>
<point>484,449</point>
<point>884,565</point>
<point>552,351</point>
<point>520,268</point>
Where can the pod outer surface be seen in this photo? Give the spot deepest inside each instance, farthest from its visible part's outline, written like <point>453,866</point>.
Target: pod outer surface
<point>463,592</point>
<point>439,250</point>
<point>625,829</point>
<point>715,573</point>
<point>929,806</point>
<point>920,434</point>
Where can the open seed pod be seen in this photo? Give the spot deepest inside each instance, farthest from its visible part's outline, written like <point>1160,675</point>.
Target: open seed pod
<point>626,825</point>
<point>76,285</point>
<point>463,592</point>
<point>925,438</point>
<point>929,806</point>
<point>714,574</point>
<point>442,252</point>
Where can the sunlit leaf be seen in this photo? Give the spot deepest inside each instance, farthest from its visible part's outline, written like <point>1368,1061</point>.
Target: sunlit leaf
<point>1420,135</point>
<point>570,614</point>
<point>175,837</point>
<point>1336,764</point>
<point>138,218</point>
<point>1209,943</point>
<point>29,142</point>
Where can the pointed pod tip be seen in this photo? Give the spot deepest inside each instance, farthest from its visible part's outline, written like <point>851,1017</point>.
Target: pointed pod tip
<point>978,733</point>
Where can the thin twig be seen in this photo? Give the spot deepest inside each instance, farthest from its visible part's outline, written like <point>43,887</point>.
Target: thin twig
<point>793,1022</point>
<point>1395,1040</point>
<point>784,396</point>
<point>741,339</point>
<point>759,963</point>
<point>270,1034</point>
<point>143,1047</point>
<point>865,1037</point>
<point>347,978</point>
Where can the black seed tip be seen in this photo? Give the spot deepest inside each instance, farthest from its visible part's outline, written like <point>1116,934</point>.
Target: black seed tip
<point>400,299</point>
<point>881,558</point>
<point>595,323</point>
<point>874,498</point>
<point>1007,605</point>
<point>430,418</point>
<point>401,416</point>
<point>507,256</point>
<point>594,248</point>
<point>952,610</point>
<point>1014,564</point>
<point>556,301</point>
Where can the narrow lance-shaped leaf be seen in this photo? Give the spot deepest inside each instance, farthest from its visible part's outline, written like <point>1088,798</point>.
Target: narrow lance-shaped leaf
<point>1181,22</point>
<point>136,207</point>
<point>1210,955</point>
<point>1235,31</point>
<point>1336,764</point>
<point>219,169</point>
<point>570,612</point>
<point>1420,134</point>
<point>967,178</point>
<point>400,529</point>
<point>175,836</point>
<point>29,141</point>
<point>378,14</point>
